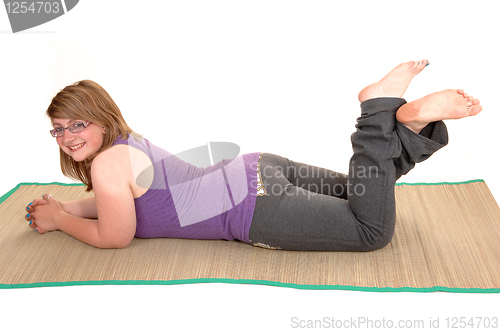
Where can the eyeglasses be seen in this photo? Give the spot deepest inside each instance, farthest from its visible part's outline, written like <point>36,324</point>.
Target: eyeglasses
<point>74,128</point>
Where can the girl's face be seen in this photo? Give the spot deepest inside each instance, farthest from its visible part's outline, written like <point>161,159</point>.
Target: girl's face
<point>79,145</point>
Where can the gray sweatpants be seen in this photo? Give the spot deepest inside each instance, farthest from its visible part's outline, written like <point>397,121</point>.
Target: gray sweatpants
<point>311,208</point>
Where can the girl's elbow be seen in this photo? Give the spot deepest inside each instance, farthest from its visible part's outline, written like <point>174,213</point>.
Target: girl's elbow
<point>122,243</point>
<point>115,242</point>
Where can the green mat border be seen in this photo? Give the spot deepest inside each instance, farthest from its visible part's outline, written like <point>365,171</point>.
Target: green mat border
<point>253,282</point>
<point>244,281</point>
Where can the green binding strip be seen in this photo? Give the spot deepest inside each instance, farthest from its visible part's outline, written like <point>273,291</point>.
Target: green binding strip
<point>243,281</point>
<point>252,281</point>
<point>436,183</point>
<point>10,192</point>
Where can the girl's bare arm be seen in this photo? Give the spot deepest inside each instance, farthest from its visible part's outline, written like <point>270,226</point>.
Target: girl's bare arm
<point>84,208</point>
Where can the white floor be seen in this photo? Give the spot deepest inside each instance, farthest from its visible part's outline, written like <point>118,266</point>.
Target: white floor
<point>272,76</point>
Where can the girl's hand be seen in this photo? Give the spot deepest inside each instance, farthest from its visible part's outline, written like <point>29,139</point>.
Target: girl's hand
<point>42,212</point>
<point>31,208</point>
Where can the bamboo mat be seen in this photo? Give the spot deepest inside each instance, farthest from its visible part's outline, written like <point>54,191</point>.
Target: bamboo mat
<point>447,238</point>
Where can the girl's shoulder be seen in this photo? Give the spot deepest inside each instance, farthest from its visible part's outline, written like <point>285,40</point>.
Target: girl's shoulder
<point>120,155</point>
<point>122,161</point>
<point>114,160</point>
<point>115,154</point>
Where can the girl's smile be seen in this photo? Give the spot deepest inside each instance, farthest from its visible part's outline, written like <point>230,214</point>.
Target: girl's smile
<point>76,147</point>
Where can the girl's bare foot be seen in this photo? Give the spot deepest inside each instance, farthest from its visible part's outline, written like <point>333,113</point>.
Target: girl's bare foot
<point>442,105</point>
<point>395,83</point>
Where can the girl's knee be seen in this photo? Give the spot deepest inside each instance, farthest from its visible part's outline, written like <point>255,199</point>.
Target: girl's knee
<point>377,238</point>
<point>380,242</point>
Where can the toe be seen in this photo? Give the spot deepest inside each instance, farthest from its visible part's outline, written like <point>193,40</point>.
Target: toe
<point>418,66</point>
<point>474,110</point>
<point>471,101</point>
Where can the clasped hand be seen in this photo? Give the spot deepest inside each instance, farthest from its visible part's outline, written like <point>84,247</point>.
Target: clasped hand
<point>42,214</point>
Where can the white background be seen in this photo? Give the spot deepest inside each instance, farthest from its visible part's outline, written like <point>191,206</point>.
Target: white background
<point>271,76</point>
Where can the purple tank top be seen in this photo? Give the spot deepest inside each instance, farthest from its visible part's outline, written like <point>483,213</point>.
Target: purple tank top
<point>185,201</point>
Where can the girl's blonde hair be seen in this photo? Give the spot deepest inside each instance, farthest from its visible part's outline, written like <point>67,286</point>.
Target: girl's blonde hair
<point>86,100</point>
